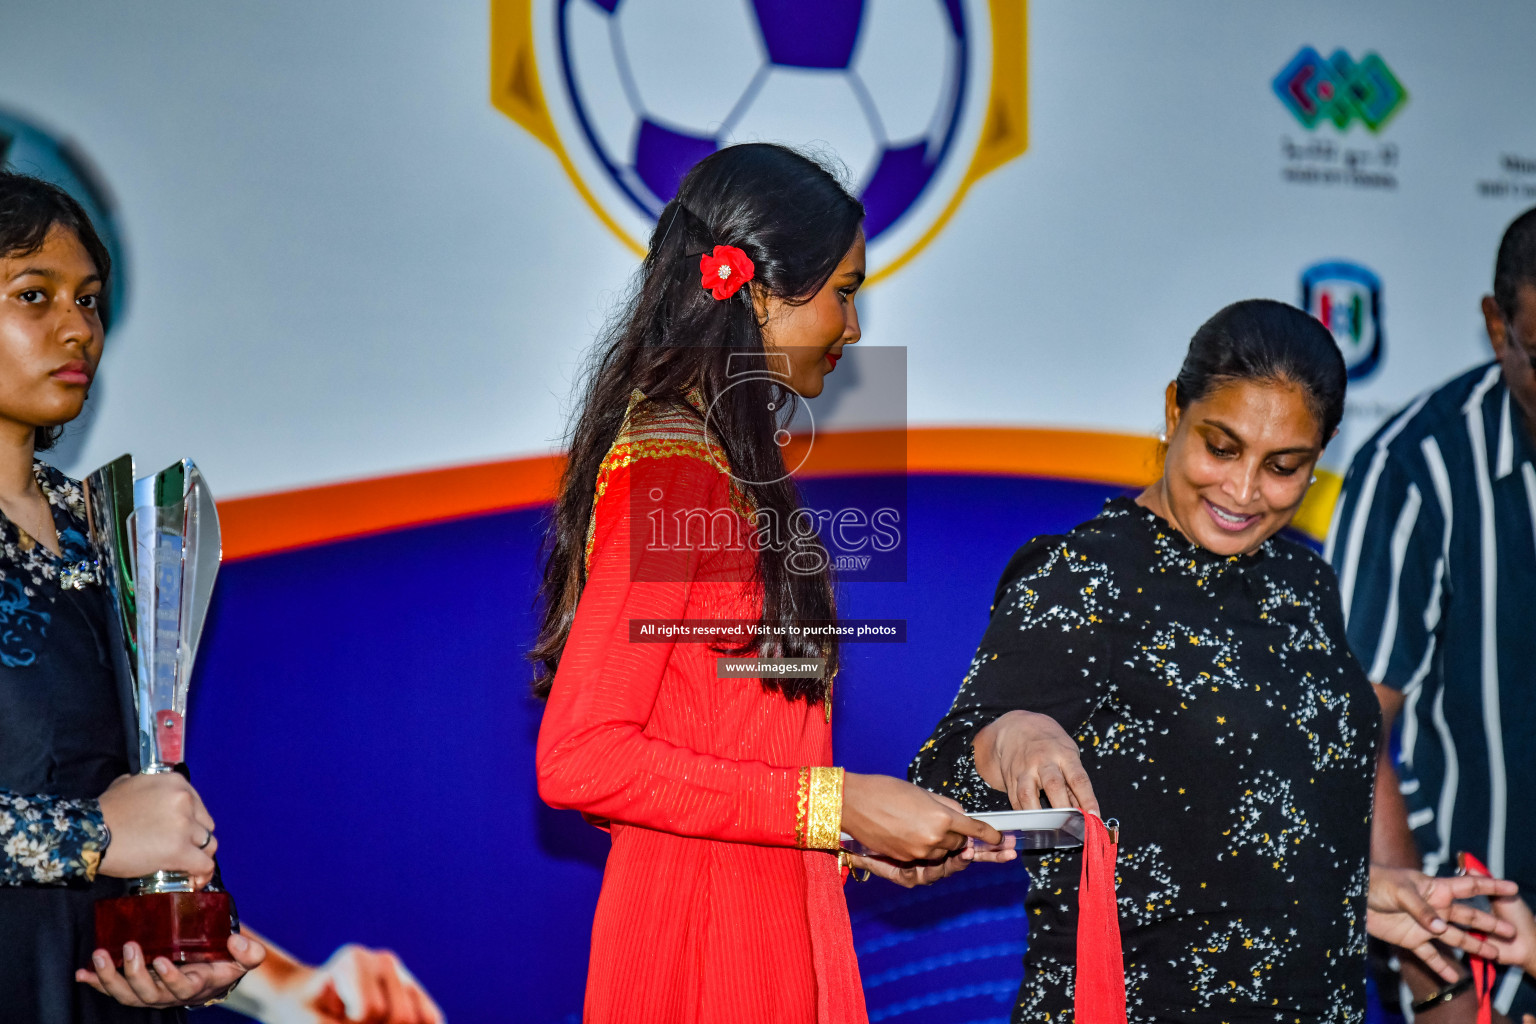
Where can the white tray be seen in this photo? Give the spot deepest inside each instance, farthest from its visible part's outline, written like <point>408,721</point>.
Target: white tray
<point>1047,829</point>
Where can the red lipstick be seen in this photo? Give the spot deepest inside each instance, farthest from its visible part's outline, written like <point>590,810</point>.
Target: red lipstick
<point>76,371</point>
<point>833,358</point>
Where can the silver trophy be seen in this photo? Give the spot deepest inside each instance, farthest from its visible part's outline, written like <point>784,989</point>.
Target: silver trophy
<point>156,542</point>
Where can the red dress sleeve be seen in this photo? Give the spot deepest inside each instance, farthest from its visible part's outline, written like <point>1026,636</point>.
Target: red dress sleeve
<point>594,754</point>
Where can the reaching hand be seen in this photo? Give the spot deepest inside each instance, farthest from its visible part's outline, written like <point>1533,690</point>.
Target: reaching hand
<point>915,873</point>
<point>897,820</point>
<point>167,985</point>
<point>1024,754</point>
<point>1410,909</point>
<point>1520,950</point>
<point>158,823</point>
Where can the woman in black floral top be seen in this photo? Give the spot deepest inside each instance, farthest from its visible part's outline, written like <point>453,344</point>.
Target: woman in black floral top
<point>1200,663</point>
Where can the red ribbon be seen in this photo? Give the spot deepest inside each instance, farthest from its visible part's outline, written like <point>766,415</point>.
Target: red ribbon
<point>1099,997</point>
<point>1482,970</point>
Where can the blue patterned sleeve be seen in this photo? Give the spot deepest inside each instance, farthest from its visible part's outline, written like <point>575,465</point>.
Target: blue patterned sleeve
<point>49,839</point>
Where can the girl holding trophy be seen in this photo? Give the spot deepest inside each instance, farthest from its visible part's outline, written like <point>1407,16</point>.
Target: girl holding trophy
<point>73,822</point>
<point>722,897</point>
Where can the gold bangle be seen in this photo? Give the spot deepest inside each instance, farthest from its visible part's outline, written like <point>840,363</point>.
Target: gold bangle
<point>821,798</point>
<point>215,1001</point>
<point>845,860</point>
<point>802,797</point>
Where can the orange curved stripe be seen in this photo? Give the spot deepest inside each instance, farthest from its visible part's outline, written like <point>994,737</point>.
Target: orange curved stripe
<point>269,523</point>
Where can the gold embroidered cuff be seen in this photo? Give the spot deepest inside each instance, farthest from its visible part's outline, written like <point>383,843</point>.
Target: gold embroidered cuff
<point>819,813</point>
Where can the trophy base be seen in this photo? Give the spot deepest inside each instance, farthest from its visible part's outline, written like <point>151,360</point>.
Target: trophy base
<point>183,927</point>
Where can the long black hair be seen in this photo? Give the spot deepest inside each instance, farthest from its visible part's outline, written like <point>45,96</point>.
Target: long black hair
<point>1264,340</point>
<point>796,222</point>
<point>29,209</point>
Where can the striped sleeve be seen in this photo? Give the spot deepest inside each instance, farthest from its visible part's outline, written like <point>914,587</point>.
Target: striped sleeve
<point>1388,549</point>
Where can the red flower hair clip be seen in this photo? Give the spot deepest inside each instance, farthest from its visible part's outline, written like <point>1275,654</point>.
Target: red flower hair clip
<point>723,272</point>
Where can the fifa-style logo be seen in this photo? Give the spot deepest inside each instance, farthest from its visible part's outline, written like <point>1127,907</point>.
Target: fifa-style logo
<point>1339,89</point>
<point>917,99</point>
<point>1346,297</point>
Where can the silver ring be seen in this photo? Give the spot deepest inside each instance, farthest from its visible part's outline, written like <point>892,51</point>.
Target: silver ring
<point>206,840</point>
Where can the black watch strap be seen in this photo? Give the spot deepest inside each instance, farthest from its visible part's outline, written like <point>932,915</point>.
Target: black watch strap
<point>1445,995</point>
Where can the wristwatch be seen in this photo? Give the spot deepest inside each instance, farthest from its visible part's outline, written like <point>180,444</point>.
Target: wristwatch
<point>1445,995</point>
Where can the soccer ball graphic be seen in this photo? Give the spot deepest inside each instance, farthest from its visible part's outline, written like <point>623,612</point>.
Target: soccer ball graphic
<point>656,85</point>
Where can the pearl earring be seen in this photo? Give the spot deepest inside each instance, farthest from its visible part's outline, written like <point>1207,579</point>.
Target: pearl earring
<point>1162,437</point>
<point>1314,478</point>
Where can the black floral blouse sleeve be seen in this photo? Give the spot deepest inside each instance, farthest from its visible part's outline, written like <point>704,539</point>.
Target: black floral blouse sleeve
<point>49,839</point>
<point>45,839</point>
<point>1046,627</point>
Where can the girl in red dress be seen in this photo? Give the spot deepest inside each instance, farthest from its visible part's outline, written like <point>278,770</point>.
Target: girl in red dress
<point>722,896</point>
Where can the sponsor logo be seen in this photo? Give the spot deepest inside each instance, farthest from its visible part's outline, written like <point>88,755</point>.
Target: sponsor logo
<point>1339,89</point>
<point>1346,297</point>
<point>916,102</point>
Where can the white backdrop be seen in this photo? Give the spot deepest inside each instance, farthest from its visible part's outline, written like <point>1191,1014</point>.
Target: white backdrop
<point>346,262</point>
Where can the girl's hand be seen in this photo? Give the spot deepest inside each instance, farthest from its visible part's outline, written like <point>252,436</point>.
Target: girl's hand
<point>1023,754</point>
<point>163,985</point>
<point>1410,909</point>
<point>927,872</point>
<point>915,873</point>
<point>158,823</point>
<point>899,821</point>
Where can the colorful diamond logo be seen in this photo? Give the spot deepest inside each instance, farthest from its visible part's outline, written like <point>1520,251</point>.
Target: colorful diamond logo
<point>1339,89</point>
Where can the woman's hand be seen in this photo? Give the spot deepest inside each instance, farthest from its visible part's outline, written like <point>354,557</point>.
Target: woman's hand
<point>1023,753</point>
<point>158,823</point>
<point>167,985</point>
<point>896,819</point>
<point>1410,909</point>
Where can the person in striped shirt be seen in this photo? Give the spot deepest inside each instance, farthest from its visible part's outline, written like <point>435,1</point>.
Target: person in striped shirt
<point>1434,542</point>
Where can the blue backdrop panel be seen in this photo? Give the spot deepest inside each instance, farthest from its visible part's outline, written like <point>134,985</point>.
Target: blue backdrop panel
<point>362,733</point>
